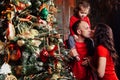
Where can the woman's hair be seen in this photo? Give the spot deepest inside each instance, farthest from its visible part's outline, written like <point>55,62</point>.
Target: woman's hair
<point>104,36</point>
<point>82,3</point>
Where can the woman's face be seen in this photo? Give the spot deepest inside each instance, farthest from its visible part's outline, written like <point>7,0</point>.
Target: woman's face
<point>83,12</point>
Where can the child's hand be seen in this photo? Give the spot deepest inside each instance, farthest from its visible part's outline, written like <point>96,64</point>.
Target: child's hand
<point>77,58</point>
<point>75,37</point>
<point>73,53</point>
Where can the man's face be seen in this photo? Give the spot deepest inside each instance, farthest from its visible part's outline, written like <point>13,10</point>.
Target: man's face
<point>85,30</point>
<point>83,12</point>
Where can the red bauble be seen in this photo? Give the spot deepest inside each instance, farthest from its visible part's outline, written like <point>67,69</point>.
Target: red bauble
<point>44,55</point>
<point>52,50</point>
<point>15,52</point>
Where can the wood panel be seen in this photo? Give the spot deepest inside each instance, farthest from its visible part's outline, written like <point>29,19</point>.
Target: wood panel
<point>66,10</point>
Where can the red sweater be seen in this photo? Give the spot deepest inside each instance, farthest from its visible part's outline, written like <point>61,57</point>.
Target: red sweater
<point>80,71</point>
<point>73,19</point>
<point>109,70</point>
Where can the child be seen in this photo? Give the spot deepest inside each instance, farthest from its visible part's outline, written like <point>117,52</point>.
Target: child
<point>105,55</point>
<point>80,13</point>
<point>83,31</point>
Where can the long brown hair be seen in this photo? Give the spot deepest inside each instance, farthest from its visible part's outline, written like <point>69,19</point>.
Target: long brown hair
<point>104,36</point>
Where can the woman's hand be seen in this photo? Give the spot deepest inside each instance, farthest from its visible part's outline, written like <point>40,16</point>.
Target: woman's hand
<point>86,61</point>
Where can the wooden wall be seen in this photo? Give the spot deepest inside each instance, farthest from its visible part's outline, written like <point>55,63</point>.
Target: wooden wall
<point>66,10</point>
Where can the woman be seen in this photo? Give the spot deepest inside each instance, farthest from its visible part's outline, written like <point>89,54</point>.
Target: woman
<point>105,53</point>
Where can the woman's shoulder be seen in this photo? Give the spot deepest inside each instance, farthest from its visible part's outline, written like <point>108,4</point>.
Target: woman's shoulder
<point>101,47</point>
<point>102,50</point>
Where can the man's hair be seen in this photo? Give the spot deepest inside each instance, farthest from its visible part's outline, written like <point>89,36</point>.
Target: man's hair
<point>75,26</point>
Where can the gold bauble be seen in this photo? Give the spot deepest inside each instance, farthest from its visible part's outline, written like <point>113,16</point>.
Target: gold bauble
<point>55,77</point>
<point>20,42</point>
<point>50,47</point>
<point>10,77</point>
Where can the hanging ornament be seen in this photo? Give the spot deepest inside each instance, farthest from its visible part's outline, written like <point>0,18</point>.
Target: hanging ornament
<point>51,49</point>
<point>5,68</point>
<point>44,14</point>
<point>20,42</point>
<point>15,52</point>
<point>44,55</point>
<point>10,77</point>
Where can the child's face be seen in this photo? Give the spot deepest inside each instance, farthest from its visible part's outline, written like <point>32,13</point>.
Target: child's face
<point>83,12</point>
<point>85,30</point>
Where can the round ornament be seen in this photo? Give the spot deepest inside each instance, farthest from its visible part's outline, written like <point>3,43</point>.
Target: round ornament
<point>20,42</point>
<point>44,14</point>
<point>44,55</point>
<point>10,77</point>
<point>50,47</point>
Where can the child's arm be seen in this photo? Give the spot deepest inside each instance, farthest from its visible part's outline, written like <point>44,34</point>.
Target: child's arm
<point>73,53</point>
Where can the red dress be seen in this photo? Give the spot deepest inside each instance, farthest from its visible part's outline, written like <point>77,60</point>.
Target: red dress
<point>79,70</point>
<point>73,19</point>
<point>109,70</point>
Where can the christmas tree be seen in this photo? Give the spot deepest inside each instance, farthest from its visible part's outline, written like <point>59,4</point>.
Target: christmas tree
<point>30,46</point>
